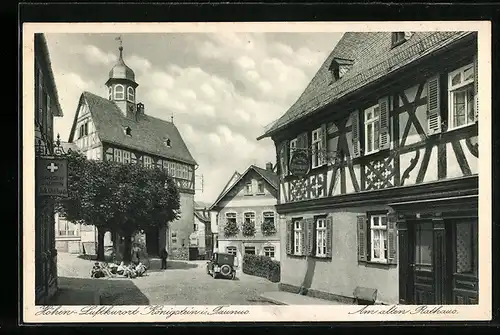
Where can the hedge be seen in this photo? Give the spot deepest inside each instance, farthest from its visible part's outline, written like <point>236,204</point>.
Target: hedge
<point>262,266</point>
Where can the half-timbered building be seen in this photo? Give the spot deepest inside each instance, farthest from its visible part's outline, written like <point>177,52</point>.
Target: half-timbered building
<point>378,166</point>
<point>245,216</point>
<point>46,108</point>
<point>118,128</point>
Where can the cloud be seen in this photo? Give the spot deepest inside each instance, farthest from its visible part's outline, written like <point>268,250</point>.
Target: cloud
<point>246,62</point>
<point>94,55</point>
<point>138,64</point>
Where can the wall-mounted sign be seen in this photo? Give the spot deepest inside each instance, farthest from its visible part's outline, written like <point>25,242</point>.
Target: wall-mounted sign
<point>299,164</point>
<point>51,176</point>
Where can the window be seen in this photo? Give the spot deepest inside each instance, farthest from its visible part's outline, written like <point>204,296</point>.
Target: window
<point>466,249</point>
<point>126,157</point>
<point>147,161</point>
<point>119,92</point>
<point>316,148</point>
<point>231,218</point>
<point>321,237</point>
<point>260,187</point>
<point>249,250</point>
<point>269,252</point>
<point>293,146</point>
<point>297,236</point>
<point>84,130</point>
<point>400,37</point>
<point>66,228</point>
<point>248,188</point>
<point>231,250</point>
<point>183,242</point>
<point>249,218</point>
<point>195,227</point>
<point>167,142</point>
<point>268,217</point>
<point>130,94</point>
<point>461,96</point>
<point>378,233</point>
<point>372,129</point>
<point>118,155</point>
<point>128,131</point>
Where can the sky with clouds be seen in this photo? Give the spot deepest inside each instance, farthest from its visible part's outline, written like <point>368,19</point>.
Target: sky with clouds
<point>222,88</point>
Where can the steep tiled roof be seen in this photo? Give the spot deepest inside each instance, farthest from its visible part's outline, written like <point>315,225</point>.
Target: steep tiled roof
<point>271,177</point>
<point>148,133</point>
<point>373,58</point>
<point>41,42</point>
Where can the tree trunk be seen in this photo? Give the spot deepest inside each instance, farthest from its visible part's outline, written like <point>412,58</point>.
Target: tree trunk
<point>127,246</point>
<point>100,244</point>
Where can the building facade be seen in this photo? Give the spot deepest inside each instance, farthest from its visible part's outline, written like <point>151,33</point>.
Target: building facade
<point>118,128</point>
<point>46,108</point>
<point>200,241</point>
<point>378,166</point>
<point>245,216</point>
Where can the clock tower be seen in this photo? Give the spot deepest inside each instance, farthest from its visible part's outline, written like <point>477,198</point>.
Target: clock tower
<point>122,87</point>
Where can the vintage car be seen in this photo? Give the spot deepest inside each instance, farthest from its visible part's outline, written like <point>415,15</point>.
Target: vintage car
<point>221,264</point>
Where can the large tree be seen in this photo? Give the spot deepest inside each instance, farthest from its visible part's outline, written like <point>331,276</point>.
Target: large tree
<point>116,197</point>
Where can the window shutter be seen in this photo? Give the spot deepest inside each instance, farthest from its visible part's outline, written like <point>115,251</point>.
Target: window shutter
<point>329,237</point>
<point>385,138</point>
<point>362,238</point>
<point>355,134</point>
<point>285,147</point>
<point>289,237</point>
<point>303,240</point>
<point>392,238</point>
<point>310,234</point>
<point>476,84</point>
<point>324,146</point>
<point>302,141</point>
<point>433,106</point>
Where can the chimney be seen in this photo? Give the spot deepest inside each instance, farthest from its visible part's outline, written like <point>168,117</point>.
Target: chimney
<point>269,166</point>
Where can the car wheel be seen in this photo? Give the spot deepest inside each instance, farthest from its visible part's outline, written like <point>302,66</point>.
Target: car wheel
<point>225,270</point>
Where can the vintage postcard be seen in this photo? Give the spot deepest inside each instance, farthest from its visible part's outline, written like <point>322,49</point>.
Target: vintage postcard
<point>217,172</point>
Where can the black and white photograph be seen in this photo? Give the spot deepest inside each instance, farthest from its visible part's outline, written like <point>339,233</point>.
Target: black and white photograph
<point>239,171</point>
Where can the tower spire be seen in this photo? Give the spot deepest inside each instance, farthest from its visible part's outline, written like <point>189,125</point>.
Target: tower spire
<point>120,41</point>
<point>172,117</point>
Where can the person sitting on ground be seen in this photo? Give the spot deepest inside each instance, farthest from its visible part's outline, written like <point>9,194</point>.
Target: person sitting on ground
<point>97,271</point>
<point>140,269</point>
<point>113,268</point>
<point>121,269</point>
<point>131,272</point>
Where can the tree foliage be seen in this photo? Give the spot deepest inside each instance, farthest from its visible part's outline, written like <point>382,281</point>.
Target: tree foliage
<point>118,197</point>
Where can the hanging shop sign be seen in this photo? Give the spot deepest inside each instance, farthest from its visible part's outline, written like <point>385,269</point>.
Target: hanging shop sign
<point>299,163</point>
<point>51,178</point>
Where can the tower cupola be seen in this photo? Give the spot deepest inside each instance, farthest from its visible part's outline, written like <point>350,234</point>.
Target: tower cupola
<point>122,85</point>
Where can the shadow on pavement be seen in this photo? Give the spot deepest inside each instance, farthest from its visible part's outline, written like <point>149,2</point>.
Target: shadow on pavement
<point>87,291</point>
<point>155,265</point>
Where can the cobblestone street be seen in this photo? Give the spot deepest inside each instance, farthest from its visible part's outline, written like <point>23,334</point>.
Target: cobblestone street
<point>183,283</point>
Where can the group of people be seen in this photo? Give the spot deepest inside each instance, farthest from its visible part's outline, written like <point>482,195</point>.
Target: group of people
<point>135,269</point>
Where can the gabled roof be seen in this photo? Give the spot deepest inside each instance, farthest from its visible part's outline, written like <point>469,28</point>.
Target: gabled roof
<point>373,57</point>
<point>232,180</point>
<point>148,133</point>
<point>269,176</point>
<point>202,215</point>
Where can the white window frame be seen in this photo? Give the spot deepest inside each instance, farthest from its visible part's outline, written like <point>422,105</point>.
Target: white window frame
<point>118,155</point>
<point>250,246</point>
<point>269,214</point>
<point>372,121</point>
<point>321,237</point>
<point>110,93</point>
<point>383,245</point>
<point>231,250</point>
<point>126,156</point>
<point>259,184</point>
<point>293,146</point>
<point>297,237</point>
<point>269,251</point>
<point>462,86</point>
<point>252,218</point>
<point>119,94</point>
<point>130,94</point>
<point>147,161</point>
<point>247,191</point>
<point>226,216</point>
<point>74,232</point>
<point>317,146</point>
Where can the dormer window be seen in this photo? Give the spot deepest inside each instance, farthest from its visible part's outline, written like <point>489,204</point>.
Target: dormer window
<point>400,37</point>
<point>128,131</point>
<point>167,142</point>
<point>130,94</point>
<point>339,67</point>
<point>119,92</point>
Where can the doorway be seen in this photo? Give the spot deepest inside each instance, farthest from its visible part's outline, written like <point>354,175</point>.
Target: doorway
<point>153,241</point>
<point>439,262</point>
